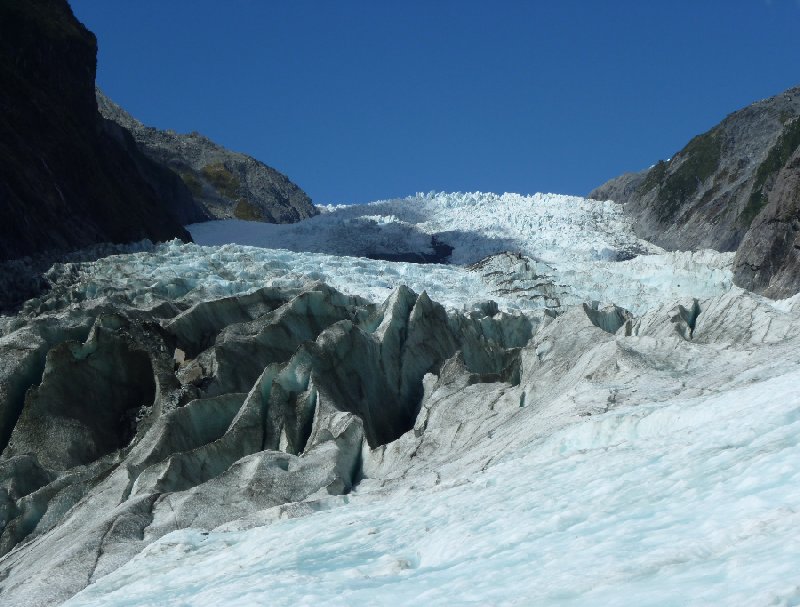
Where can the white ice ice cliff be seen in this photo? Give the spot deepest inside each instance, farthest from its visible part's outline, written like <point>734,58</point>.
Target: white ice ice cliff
<point>558,414</point>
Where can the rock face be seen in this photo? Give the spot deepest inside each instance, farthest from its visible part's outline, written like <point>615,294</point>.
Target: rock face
<point>620,189</point>
<point>732,188</point>
<point>225,184</point>
<point>67,177</point>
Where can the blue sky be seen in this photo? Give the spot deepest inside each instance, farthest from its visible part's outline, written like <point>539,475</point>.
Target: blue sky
<point>357,101</point>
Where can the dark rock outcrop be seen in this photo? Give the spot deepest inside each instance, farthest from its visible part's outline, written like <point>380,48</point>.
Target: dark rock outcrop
<point>620,189</point>
<point>733,188</point>
<point>768,259</point>
<point>68,178</point>
<point>225,184</point>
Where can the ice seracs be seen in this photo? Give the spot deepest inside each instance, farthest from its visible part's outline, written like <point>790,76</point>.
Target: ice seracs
<point>192,273</point>
<point>585,479</point>
<point>548,227</point>
<point>524,252</point>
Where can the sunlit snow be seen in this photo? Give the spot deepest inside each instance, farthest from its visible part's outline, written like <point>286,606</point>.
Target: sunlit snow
<point>191,273</point>
<point>549,227</point>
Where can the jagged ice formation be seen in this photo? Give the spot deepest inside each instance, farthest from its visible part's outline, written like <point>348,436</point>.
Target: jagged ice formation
<point>575,417</point>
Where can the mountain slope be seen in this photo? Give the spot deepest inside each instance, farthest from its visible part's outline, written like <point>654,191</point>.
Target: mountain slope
<point>226,184</point>
<point>67,179</point>
<point>731,188</point>
<point>768,259</point>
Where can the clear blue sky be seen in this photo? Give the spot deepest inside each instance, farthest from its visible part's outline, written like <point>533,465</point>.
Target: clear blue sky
<point>357,101</point>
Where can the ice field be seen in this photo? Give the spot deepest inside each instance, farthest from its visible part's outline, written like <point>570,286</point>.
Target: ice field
<point>637,466</point>
<point>550,227</point>
<point>564,252</point>
<point>690,502</point>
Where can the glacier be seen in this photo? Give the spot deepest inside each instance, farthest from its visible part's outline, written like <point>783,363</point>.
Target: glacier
<point>523,252</point>
<point>190,273</point>
<point>570,246</point>
<point>593,420</point>
<point>549,227</point>
<point>691,502</point>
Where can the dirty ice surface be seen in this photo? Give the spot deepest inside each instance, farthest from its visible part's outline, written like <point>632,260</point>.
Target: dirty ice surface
<point>689,502</point>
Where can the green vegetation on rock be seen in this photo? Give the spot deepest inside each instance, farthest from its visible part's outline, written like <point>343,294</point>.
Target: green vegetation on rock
<point>246,210</point>
<point>787,143</point>
<point>219,176</point>
<point>653,178</point>
<point>700,159</point>
<point>192,182</point>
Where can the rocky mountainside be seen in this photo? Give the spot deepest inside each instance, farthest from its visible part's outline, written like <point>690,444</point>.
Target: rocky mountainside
<point>225,184</point>
<point>768,258</point>
<point>68,178</point>
<point>733,188</point>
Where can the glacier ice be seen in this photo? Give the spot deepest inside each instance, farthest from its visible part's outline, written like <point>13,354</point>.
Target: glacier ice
<point>557,251</point>
<point>597,421</point>
<point>691,501</point>
<point>549,227</point>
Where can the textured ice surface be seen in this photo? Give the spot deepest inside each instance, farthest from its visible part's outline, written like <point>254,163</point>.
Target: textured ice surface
<point>550,227</point>
<point>550,251</point>
<point>690,502</point>
<point>192,273</point>
<point>576,247</point>
<point>687,492</point>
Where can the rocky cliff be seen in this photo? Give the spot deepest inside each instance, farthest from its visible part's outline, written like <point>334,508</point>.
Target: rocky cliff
<point>733,188</point>
<point>768,259</point>
<point>225,184</point>
<point>68,178</point>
